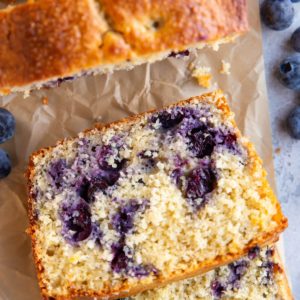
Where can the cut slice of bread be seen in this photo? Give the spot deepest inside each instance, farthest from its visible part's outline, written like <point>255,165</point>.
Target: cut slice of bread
<point>45,42</point>
<point>148,200</point>
<point>260,275</point>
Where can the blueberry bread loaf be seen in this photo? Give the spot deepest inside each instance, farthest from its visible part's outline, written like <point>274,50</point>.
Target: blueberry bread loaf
<point>148,200</point>
<point>260,275</point>
<point>45,42</point>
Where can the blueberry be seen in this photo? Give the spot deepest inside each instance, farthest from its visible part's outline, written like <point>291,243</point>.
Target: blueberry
<point>200,182</point>
<point>176,175</point>
<point>76,218</point>
<point>122,221</point>
<point>217,288</point>
<point>201,141</point>
<point>277,14</point>
<point>121,260</point>
<point>5,164</point>
<point>179,54</point>
<point>7,125</point>
<point>228,140</point>
<point>268,267</point>
<point>295,40</point>
<point>289,72</point>
<point>293,123</point>
<point>100,181</point>
<point>56,172</point>
<point>142,270</point>
<point>295,1</point>
<point>253,253</point>
<point>169,120</point>
<point>237,270</point>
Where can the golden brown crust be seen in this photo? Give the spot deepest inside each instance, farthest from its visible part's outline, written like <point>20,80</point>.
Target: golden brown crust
<point>50,39</point>
<point>285,291</point>
<point>220,102</point>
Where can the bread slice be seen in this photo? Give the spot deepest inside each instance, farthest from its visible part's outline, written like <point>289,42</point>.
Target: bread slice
<point>260,275</point>
<point>45,42</point>
<point>148,200</point>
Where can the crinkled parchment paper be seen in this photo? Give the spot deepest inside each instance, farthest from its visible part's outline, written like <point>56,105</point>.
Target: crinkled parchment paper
<point>78,105</point>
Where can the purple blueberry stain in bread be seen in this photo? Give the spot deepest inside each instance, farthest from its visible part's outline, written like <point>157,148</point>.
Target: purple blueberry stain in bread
<point>253,253</point>
<point>123,220</point>
<point>76,218</point>
<point>217,289</point>
<point>202,141</point>
<point>123,223</point>
<point>268,268</point>
<point>121,260</point>
<point>176,176</point>
<point>227,140</point>
<point>56,172</point>
<point>169,119</point>
<point>237,271</point>
<point>97,233</point>
<point>179,54</point>
<point>142,270</point>
<point>200,182</point>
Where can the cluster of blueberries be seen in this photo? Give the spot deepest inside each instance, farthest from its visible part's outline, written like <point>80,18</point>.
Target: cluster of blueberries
<point>7,131</point>
<point>279,15</point>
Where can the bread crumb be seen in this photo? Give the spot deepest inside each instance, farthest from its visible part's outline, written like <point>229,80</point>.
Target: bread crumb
<point>203,76</point>
<point>26,94</point>
<point>278,150</point>
<point>45,101</point>
<point>225,68</point>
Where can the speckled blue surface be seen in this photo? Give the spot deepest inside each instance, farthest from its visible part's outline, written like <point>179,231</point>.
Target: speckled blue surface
<point>286,150</point>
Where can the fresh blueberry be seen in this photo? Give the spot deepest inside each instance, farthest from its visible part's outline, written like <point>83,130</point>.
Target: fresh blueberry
<point>217,288</point>
<point>289,72</point>
<point>200,182</point>
<point>277,14</point>
<point>295,40</point>
<point>293,123</point>
<point>169,120</point>
<point>201,141</point>
<point>76,218</point>
<point>295,1</point>
<point>5,164</point>
<point>7,125</point>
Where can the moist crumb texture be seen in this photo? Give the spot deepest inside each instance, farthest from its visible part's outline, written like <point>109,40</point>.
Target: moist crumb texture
<point>44,43</point>
<point>162,195</point>
<point>255,276</point>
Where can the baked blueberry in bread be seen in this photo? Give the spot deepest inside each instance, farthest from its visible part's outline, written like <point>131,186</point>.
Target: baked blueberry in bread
<point>259,275</point>
<point>45,42</point>
<point>148,200</point>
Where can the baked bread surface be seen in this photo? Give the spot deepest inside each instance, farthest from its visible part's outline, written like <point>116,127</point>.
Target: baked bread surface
<point>151,229</point>
<point>259,275</point>
<point>49,40</point>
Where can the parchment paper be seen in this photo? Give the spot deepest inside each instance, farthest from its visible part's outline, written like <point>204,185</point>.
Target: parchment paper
<point>78,105</point>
